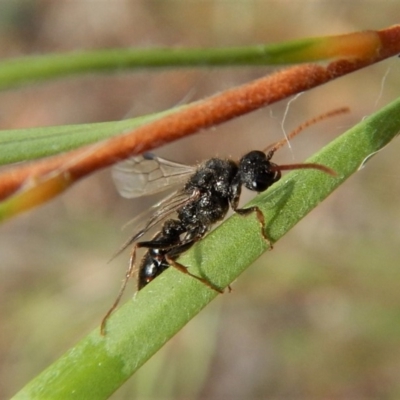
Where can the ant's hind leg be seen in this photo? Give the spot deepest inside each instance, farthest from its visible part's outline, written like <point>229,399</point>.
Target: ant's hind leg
<point>261,220</point>
<point>184,270</point>
<point>128,276</point>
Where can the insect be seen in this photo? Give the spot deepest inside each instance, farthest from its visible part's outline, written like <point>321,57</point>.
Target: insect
<point>210,190</point>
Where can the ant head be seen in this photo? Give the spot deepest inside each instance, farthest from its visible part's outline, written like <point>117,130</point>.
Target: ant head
<point>256,171</point>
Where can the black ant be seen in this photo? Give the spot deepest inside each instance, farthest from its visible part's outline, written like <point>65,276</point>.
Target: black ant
<point>204,200</point>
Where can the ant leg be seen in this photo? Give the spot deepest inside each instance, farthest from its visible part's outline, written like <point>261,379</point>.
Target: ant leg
<point>128,275</point>
<point>261,220</point>
<point>184,270</point>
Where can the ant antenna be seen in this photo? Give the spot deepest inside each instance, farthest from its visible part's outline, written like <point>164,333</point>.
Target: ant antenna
<point>320,167</point>
<point>270,150</point>
<point>275,146</point>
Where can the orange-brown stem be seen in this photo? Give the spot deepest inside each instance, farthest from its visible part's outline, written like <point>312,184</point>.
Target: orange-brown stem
<point>200,115</point>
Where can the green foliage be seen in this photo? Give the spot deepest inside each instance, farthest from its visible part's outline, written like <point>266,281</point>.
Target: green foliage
<point>33,143</point>
<point>98,365</point>
<point>34,69</point>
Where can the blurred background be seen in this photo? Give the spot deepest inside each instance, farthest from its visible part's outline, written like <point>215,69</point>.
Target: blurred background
<point>318,317</point>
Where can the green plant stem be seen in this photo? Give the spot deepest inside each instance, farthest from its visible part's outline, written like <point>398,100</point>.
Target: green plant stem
<point>34,143</point>
<point>16,72</point>
<point>98,365</point>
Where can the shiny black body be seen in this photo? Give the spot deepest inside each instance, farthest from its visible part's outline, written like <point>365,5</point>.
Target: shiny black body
<point>213,189</point>
<point>163,243</point>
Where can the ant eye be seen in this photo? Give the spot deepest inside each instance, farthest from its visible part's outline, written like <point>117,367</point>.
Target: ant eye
<point>261,183</point>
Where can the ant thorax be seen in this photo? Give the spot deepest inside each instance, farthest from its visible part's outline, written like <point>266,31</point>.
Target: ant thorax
<point>212,181</point>
<point>215,175</point>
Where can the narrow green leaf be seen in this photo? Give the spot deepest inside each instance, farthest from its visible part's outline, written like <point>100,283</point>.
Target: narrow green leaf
<point>16,72</point>
<point>33,143</point>
<point>97,365</point>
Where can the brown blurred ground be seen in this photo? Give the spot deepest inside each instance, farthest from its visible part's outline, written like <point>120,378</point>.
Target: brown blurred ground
<point>319,317</point>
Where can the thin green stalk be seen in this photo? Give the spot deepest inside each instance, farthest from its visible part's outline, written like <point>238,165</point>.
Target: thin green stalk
<point>34,143</point>
<point>16,72</point>
<point>98,365</point>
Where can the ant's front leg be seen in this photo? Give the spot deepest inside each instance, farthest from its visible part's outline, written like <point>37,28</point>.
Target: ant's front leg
<point>261,220</point>
<point>234,202</point>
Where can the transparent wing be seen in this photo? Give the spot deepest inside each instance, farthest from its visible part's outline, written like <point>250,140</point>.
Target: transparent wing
<point>157,214</point>
<point>148,174</point>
